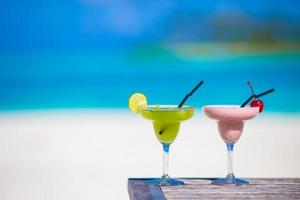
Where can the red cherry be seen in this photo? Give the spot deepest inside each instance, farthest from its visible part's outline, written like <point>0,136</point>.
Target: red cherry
<point>258,103</point>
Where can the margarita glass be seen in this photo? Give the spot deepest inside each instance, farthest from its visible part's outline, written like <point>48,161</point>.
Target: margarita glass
<point>230,120</point>
<point>166,122</point>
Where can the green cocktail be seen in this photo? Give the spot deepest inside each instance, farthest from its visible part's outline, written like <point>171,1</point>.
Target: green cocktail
<point>166,122</point>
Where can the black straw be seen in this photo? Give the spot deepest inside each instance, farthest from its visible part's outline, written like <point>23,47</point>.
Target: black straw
<point>190,94</point>
<point>161,131</point>
<point>257,96</point>
<point>264,93</point>
<point>183,101</point>
<point>247,101</point>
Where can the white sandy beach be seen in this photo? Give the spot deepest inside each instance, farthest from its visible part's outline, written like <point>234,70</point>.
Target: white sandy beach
<point>89,154</point>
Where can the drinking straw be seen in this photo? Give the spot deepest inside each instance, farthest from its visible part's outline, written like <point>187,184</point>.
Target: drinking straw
<point>190,94</point>
<point>264,93</point>
<point>183,101</point>
<point>257,96</point>
<point>247,101</point>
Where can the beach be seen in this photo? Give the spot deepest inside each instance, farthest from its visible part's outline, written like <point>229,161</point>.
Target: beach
<point>90,154</point>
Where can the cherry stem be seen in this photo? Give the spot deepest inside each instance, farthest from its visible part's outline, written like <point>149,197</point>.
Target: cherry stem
<point>252,90</point>
<point>257,96</point>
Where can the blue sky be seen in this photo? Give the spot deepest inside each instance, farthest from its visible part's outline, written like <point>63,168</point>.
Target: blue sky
<point>63,53</point>
<point>57,24</point>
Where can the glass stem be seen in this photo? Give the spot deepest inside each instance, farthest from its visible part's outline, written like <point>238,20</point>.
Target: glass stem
<point>166,159</point>
<point>230,174</point>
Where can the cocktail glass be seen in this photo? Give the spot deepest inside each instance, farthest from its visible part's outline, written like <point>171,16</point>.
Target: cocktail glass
<point>166,122</point>
<point>230,120</point>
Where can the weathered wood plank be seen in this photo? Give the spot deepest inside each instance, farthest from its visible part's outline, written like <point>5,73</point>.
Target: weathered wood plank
<point>201,188</point>
<point>139,189</point>
<point>258,189</point>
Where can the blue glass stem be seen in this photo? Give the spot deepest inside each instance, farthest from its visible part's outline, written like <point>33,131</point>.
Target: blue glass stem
<point>230,178</point>
<point>165,180</point>
<point>230,174</point>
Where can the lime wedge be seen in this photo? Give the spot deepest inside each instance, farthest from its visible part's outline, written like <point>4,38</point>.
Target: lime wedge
<point>136,102</point>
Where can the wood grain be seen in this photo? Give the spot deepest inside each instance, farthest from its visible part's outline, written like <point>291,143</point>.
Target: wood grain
<point>201,188</point>
<point>258,189</point>
<point>139,189</point>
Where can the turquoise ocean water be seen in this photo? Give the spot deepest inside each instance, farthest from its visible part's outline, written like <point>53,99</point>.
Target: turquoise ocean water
<point>89,79</point>
<point>95,54</point>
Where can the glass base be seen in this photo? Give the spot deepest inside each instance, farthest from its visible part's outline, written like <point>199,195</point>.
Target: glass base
<point>165,181</point>
<point>230,180</point>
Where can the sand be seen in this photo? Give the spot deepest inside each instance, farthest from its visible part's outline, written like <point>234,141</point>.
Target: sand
<point>89,154</point>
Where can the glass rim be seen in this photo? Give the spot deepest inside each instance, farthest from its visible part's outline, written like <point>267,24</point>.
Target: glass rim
<point>167,107</point>
<point>226,106</point>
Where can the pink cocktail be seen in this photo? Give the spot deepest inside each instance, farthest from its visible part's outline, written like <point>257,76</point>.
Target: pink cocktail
<point>230,120</point>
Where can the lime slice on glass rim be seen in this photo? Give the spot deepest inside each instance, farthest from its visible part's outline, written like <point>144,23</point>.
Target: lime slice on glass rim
<point>136,102</point>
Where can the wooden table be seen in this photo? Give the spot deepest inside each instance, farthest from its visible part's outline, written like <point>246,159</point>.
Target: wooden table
<point>200,188</point>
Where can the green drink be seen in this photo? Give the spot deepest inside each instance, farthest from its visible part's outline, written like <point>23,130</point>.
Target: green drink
<point>166,123</point>
<point>166,120</point>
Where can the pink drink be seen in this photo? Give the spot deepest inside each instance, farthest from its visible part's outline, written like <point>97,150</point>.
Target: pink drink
<point>230,120</point>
